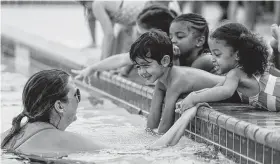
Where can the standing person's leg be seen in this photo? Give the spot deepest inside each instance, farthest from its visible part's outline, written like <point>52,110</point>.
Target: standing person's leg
<point>277,12</point>
<point>91,23</point>
<point>126,39</point>
<point>232,11</point>
<point>250,14</point>
<point>224,6</point>
<point>197,7</point>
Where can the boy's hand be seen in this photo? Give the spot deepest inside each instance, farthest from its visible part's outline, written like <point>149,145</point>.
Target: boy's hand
<point>83,74</point>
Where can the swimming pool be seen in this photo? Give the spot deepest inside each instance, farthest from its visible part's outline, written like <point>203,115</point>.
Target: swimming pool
<point>103,121</point>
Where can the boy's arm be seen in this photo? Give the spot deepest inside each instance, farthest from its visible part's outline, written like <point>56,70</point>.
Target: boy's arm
<point>156,106</point>
<point>169,110</point>
<point>218,93</point>
<point>112,62</point>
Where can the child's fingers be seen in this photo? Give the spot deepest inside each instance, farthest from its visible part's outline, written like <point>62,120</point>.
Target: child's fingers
<point>178,105</point>
<point>177,110</point>
<point>78,77</point>
<point>75,71</point>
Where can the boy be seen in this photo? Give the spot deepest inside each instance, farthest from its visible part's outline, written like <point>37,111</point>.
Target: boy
<point>152,53</point>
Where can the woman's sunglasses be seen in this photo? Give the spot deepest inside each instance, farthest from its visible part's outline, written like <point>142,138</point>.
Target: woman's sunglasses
<point>78,95</point>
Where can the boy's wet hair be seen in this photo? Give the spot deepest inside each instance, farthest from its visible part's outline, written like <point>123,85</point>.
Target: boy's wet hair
<point>252,49</point>
<point>152,45</point>
<point>198,23</point>
<point>155,17</point>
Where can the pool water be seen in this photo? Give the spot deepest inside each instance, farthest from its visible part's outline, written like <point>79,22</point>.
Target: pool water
<point>107,123</point>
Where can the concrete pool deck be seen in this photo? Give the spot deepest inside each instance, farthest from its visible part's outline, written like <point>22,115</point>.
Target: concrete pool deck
<point>240,132</point>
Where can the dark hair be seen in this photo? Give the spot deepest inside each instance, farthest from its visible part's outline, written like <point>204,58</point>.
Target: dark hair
<point>156,42</point>
<point>39,95</point>
<point>198,23</point>
<point>155,17</point>
<point>252,50</point>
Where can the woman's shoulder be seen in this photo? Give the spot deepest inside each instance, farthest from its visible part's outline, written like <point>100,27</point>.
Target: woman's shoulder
<point>68,141</point>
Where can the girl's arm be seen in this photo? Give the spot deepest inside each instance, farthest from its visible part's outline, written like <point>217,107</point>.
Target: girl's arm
<point>216,93</point>
<point>221,92</point>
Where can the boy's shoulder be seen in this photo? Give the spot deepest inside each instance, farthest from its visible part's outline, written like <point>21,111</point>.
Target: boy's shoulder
<point>179,79</point>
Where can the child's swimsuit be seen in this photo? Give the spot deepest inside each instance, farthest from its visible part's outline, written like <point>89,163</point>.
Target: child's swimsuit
<point>269,96</point>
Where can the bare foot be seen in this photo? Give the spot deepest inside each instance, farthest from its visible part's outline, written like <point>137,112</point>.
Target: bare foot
<point>275,30</point>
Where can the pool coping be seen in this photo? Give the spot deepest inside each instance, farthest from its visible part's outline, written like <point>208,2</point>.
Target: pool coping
<point>239,140</point>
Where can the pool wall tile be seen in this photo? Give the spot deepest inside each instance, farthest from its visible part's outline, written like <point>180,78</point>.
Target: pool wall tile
<point>229,143</point>
<point>272,140</point>
<point>262,134</point>
<point>222,119</point>
<point>237,147</point>
<point>223,140</point>
<point>213,116</point>
<point>259,152</point>
<point>216,135</point>
<point>231,123</point>
<point>240,128</point>
<point>251,149</point>
<point>204,112</point>
<point>276,156</point>
<point>250,131</point>
<point>267,155</point>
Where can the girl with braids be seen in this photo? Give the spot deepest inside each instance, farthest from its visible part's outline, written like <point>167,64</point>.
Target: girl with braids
<point>50,100</point>
<point>242,56</point>
<point>190,32</point>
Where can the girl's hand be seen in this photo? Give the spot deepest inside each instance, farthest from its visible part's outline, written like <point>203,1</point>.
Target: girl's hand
<point>185,104</point>
<point>83,74</point>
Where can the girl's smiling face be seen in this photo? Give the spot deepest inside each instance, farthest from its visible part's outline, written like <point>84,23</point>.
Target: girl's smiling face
<point>223,56</point>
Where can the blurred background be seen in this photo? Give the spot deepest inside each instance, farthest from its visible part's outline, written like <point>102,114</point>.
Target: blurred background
<point>73,24</point>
